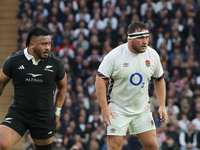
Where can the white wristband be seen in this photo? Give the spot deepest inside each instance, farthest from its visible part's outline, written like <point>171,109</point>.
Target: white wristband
<point>57,112</point>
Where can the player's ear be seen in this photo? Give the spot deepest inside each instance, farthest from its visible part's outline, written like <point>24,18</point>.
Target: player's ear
<point>31,44</point>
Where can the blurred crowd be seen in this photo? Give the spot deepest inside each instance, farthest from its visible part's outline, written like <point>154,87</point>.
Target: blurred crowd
<point>84,31</point>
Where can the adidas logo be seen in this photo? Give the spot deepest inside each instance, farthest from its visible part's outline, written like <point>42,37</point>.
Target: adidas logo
<point>21,67</point>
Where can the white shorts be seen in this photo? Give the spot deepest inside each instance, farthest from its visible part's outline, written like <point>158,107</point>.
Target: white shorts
<point>138,123</point>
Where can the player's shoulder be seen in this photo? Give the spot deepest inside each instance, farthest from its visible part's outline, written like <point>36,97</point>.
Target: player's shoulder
<point>118,50</point>
<point>151,50</point>
<point>121,47</point>
<point>54,57</point>
<point>17,54</point>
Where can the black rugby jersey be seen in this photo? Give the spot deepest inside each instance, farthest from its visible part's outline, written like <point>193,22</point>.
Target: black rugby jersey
<point>33,83</point>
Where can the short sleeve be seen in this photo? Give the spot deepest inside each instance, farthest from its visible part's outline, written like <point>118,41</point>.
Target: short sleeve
<point>61,71</point>
<point>158,68</point>
<point>7,67</point>
<point>107,65</point>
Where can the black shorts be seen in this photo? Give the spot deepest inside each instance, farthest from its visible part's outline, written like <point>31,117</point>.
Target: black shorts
<point>39,127</point>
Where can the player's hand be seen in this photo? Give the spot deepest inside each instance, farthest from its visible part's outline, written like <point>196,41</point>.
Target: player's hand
<point>163,115</point>
<point>57,119</point>
<point>106,113</point>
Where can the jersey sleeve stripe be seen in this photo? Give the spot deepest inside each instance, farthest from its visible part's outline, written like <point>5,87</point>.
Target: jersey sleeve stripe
<point>102,76</point>
<point>158,78</point>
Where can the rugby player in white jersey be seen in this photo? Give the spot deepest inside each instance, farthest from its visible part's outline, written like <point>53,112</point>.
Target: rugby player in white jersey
<point>129,68</point>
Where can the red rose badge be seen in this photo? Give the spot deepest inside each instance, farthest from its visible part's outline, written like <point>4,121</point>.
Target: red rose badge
<point>147,63</point>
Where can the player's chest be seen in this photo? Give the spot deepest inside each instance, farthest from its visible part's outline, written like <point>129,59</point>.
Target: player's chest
<point>34,73</point>
<point>142,66</point>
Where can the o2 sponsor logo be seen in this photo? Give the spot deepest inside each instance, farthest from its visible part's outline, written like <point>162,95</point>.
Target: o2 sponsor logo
<point>139,81</point>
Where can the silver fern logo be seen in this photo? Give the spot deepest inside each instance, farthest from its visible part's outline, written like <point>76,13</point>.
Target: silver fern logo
<point>48,68</point>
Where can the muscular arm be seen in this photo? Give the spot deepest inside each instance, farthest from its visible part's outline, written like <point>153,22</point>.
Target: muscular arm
<point>3,81</point>
<point>61,92</point>
<point>160,90</point>
<point>100,86</point>
<point>61,89</point>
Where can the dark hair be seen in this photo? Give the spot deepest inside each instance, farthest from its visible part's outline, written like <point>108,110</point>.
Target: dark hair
<point>136,25</point>
<point>36,32</point>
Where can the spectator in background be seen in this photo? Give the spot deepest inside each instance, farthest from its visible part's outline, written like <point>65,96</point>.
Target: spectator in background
<point>58,145</point>
<point>176,51</point>
<point>96,23</point>
<point>170,104</point>
<point>188,139</point>
<point>191,63</point>
<point>94,44</point>
<point>82,4</point>
<point>70,93</point>
<point>72,5</point>
<point>112,2</point>
<point>55,11</point>
<point>25,10</point>
<point>55,25</point>
<point>66,55</point>
<point>144,7</point>
<point>82,42</point>
<point>170,144</point>
<point>27,26</point>
<point>41,20</point>
<point>95,52</point>
<point>77,66</point>
<point>106,7</point>
<point>70,21</point>
<point>123,7</point>
<point>83,15</point>
<point>179,18</point>
<point>96,8</point>
<point>183,122</point>
<point>40,10</point>
<point>68,106</point>
<point>65,122</point>
<point>185,108</point>
<point>135,8</point>
<point>81,29</point>
<point>68,143</point>
<point>177,5</point>
<point>93,145</point>
<point>164,5</point>
<point>171,132</point>
<point>68,32</point>
<point>65,14</point>
<point>90,88</point>
<point>56,38</point>
<point>80,125</point>
<point>110,20</point>
<point>196,120</point>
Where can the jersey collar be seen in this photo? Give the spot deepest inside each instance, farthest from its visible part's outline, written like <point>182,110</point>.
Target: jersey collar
<point>29,57</point>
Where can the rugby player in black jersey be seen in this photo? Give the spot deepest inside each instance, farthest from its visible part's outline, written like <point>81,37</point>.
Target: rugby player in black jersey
<point>35,72</point>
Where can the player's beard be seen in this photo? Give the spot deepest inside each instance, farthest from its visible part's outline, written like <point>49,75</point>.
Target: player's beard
<point>137,49</point>
<point>39,53</point>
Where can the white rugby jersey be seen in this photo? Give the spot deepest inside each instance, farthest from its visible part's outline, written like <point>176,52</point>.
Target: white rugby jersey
<point>129,75</point>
